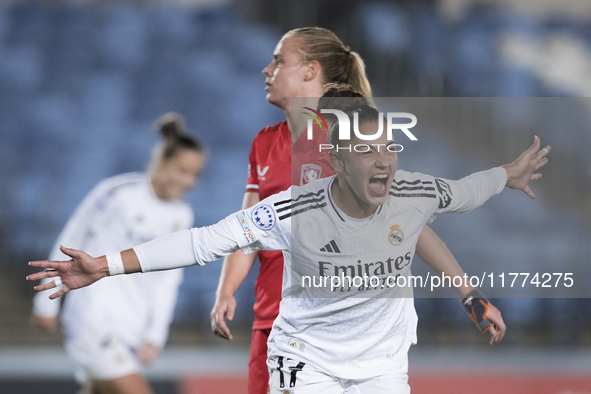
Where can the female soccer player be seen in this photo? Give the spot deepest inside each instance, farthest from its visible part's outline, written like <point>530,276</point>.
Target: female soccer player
<point>114,327</point>
<point>357,341</point>
<point>304,60</point>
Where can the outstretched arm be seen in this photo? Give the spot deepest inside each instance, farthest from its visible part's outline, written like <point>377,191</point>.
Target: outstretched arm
<point>431,249</point>
<point>81,271</point>
<point>180,249</point>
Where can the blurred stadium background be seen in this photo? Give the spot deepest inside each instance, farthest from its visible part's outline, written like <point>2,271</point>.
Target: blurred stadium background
<point>82,81</point>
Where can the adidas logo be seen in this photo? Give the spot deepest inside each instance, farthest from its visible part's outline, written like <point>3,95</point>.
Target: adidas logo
<point>331,247</point>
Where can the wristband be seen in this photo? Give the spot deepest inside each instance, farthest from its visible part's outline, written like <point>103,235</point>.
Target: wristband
<point>115,263</point>
<point>476,304</point>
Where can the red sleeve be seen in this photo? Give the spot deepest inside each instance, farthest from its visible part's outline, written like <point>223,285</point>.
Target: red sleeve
<point>252,183</point>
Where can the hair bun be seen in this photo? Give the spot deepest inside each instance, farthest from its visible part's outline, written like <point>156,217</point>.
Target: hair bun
<point>171,124</point>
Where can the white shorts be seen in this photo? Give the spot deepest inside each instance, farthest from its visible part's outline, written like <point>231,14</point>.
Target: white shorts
<point>101,358</point>
<point>294,377</point>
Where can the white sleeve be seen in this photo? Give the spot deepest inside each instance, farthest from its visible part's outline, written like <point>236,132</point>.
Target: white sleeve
<point>260,227</point>
<point>469,192</point>
<point>264,226</point>
<point>171,251</point>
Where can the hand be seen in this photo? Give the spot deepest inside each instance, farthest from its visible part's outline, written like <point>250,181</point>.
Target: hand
<point>45,324</point>
<point>497,325</point>
<point>522,170</point>
<point>224,308</point>
<point>148,353</point>
<point>81,271</point>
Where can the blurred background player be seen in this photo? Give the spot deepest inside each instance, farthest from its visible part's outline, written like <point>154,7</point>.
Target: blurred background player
<point>112,329</point>
<point>304,61</point>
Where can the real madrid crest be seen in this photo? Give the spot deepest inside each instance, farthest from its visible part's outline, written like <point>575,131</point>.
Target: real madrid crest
<point>396,235</point>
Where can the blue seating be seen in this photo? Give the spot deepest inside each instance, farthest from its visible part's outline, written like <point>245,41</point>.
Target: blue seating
<point>385,26</point>
<point>82,86</point>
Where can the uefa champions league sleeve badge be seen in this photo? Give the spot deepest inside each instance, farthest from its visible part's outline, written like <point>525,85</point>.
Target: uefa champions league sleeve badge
<point>263,217</point>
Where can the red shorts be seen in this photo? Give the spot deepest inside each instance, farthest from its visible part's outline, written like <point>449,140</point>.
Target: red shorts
<point>258,372</point>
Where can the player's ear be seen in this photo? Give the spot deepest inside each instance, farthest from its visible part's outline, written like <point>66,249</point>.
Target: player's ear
<point>312,71</point>
<point>336,161</point>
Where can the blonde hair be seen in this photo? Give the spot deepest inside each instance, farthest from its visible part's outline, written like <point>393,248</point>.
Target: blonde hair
<point>339,64</point>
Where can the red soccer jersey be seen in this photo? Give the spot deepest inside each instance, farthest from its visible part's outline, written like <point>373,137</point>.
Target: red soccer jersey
<point>270,168</point>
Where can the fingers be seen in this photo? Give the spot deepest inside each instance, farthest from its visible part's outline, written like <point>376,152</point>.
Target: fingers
<point>46,286</point>
<point>51,273</point>
<point>501,328</point>
<point>541,164</point>
<point>497,325</point>
<point>218,325</point>
<point>533,177</point>
<point>541,158</point>
<point>496,335</point>
<point>535,146</point>
<point>543,152</point>
<point>220,328</point>
<point>528,191</point>
<point>45,264</point>
<point>493,334</point>
<point>73,253</point>
<point>501,333</point>
<point>59,293</point>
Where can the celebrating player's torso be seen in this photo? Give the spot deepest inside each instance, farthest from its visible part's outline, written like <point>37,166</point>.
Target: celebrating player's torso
<point>320,240</point>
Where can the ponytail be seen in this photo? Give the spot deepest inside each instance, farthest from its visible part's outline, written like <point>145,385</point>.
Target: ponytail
<point>356,74</point>
<point>339,64</point>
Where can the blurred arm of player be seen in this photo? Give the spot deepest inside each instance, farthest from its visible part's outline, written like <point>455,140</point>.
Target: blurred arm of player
<point>45,311</point>
<point>163,290</point>
<point>236,267</point>
<point>431,249</point>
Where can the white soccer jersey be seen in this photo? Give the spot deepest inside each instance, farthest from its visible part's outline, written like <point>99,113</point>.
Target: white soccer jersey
<point>353,333</point>
<point>117,214</point>
<point>362,331</point>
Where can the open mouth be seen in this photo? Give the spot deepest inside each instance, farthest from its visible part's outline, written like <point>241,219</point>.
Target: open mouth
<point>377,184</point>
